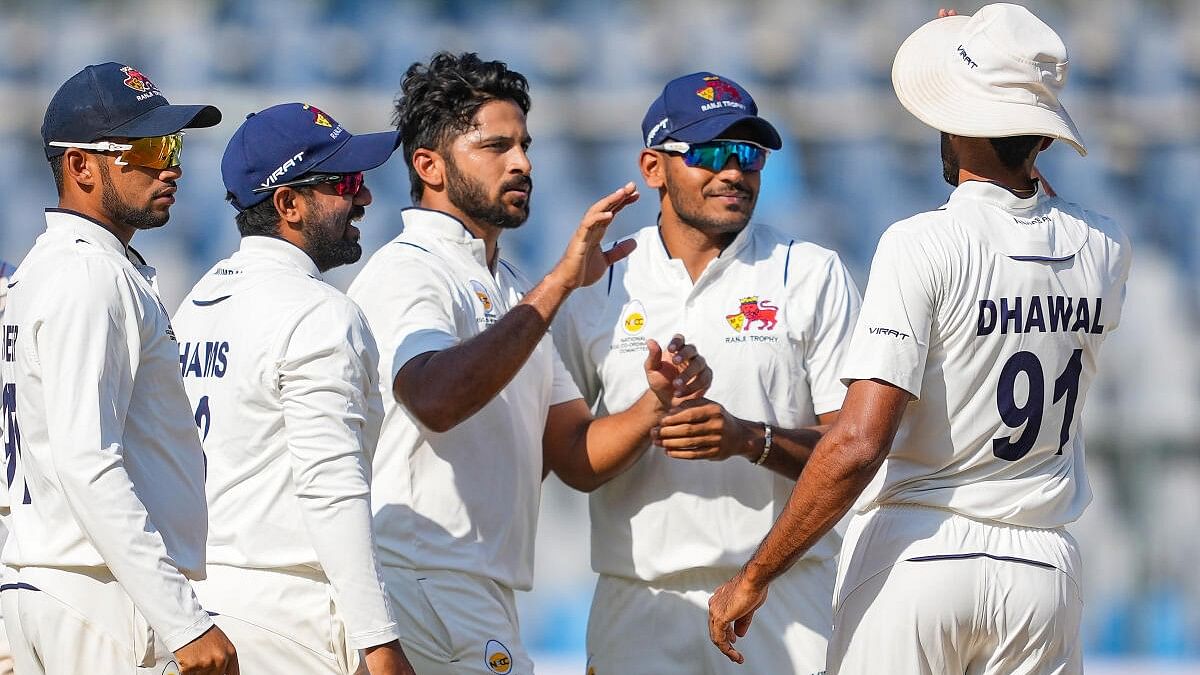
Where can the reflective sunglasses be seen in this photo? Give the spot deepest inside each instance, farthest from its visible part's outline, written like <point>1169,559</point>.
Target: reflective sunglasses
<point>343,183</point>
<point>155,152</point>
<point>714,154</point>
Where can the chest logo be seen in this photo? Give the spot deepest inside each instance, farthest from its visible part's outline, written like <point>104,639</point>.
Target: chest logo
<point>633,318</point>
<point>498,659</point>
<point>482,296</point>
<point>752,311</point>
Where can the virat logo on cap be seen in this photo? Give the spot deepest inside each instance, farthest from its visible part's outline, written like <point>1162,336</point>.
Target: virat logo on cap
<point>135,80</point>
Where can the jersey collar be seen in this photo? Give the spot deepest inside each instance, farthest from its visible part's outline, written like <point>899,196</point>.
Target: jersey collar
<point>279,250</point>
<point>89,230</point>
<point>1026,228</point>
<point>446,228</point>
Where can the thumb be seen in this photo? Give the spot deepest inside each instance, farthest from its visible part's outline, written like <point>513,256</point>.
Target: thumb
<point>653,355</point>
<point>619,250</point>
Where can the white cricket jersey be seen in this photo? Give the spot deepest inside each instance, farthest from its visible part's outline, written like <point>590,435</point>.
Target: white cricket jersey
<point>467,499</point>
<point>104,464</point>
<point>281,370</point>
<point>991,311</point>
<point>772,317</point>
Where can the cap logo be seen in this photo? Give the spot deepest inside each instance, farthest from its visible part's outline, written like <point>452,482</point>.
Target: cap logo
<point>662,125</point>
<point>319,117</point>
<point>719,93</point>
<point>966,59</point>
<point>138,82</point>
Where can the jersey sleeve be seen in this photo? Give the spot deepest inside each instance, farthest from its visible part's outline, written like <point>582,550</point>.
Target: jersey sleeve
<point>891,337</point>
<point>91,344</point>
<point>325,389</point>
<point>569,333</point>
<point>833,325</point>
<point>410,305</point>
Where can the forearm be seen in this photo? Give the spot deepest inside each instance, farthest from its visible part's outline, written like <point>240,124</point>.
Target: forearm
<point>444,388</point>
<point>609,445</point>
<point>790,448</point>
<point>838,471</point>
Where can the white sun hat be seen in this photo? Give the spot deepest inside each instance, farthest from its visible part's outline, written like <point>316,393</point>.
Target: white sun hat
<point>995,74</point>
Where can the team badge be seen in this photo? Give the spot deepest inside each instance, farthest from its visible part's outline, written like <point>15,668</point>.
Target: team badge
<point>716,89</point>
<point>319,117</point>
<point>482,296</point>
<point>497,657</point>
<point>633,317</point>
<point>138,82</point>
<point>752,311</point>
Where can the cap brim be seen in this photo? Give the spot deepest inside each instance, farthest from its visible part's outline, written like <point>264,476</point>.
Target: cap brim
<point>922,78</point>
<point>167,119</point>
<point>710,128</point>
<point>361,153</point>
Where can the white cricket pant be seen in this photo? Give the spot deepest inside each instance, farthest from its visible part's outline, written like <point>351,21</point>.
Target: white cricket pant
<point>454,623</point>
<point>661,628</point>
<point>278,622</point>
<point>66,623</point>
<point>961,597</point>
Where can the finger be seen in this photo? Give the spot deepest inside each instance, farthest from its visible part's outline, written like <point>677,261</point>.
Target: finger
<point>676,343</point>
<point>699,386</point>
<point>742,625</point>
<point>630,197</point>
<point>699,442</point>
<point>707,453</point>
<point>693,369</point>
<point>613,202</point>
<point>653,355</point>
<point>690,415</point>
<point>682,354</point>
<point>619,251</point>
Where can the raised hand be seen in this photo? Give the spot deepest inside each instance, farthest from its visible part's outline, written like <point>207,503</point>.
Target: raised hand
<point>684,375</point>
<point>583,263</point>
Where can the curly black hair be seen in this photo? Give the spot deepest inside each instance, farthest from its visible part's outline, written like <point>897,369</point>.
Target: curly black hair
<point>438,101</point>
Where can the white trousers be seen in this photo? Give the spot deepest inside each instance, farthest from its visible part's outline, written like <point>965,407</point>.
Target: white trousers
<point>661,627</point>
<point>66,623</point>
<point>453,623</point>
<point>923,591</point>
<point>278,622</point>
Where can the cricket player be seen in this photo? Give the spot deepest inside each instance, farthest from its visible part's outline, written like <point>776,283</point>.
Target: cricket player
<point>105,471</point>
<point>480,407</point>
<point>971,360</point>
<point>6,661</point>
<point>773,317</point>
<point>281,370</point>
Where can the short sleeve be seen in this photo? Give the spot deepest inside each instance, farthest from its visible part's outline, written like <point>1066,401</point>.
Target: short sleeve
<point>570,331</point>
<point>409,304</point>
<point>833,325</point>
<point>891,338</point>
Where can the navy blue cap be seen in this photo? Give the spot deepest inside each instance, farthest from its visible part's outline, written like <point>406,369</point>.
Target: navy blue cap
<point>286,141</point>
<point>110,100</point>
<point>700,107</point>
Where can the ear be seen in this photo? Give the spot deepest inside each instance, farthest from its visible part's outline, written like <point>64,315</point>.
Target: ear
<point>291,207</point>
<point>430,167</point>
<point>654,169</point>
<point>79,168</point>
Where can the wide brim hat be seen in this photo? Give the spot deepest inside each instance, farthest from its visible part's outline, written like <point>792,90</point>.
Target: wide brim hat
<point>994,74</point>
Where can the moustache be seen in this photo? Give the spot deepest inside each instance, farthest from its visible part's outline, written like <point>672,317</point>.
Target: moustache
<point>524,183</point>
<point>735,190</point>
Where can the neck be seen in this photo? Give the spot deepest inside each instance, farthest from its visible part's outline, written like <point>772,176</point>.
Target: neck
<point>119,230</point>
<point>489,234</point>
<point>1018,182</point>
<point>694,247</point>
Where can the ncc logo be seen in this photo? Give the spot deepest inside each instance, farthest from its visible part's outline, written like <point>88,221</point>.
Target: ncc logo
<point>497,657</point>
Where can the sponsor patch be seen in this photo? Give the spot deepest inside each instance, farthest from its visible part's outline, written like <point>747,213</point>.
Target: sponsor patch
<point>633,323</point>
<point>497,657</point>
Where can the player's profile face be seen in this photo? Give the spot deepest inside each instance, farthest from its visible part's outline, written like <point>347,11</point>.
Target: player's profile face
<point>330,236</point>
<point>136,196</point>
<point>716,202</point>
<point>487,168</point>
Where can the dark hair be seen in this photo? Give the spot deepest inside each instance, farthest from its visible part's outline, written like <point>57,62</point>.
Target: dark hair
<point>263,218</point>
<point>1014,150</point>
<point>438,101</point>
<point>56,168</point>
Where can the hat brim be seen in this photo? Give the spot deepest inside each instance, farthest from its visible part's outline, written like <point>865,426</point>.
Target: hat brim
<point>709,128</point>
<point>361,153</point>
<point>922,78</point>
<point>167,119</point>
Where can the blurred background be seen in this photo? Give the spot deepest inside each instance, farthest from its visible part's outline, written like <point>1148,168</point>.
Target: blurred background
<point>853,162</point>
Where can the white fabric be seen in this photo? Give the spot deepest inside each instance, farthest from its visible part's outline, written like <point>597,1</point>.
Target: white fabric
<point>455,623</point>
<point>665,515</point>
<point>994,74</point>
<point>109,472</point>
<point>1007,600</point>
<point>282,370</point>
<point>63,623</point>
<point>466,499</point>
<point>927,325</point>
<point>661,628</point>
<point>279,622</point>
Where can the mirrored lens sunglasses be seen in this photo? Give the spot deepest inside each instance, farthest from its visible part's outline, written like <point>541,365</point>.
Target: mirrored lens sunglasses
<point>714,154</point>
<point>154,152</point>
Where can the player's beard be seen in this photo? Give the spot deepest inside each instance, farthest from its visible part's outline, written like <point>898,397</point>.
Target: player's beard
<point>325,237</point>
<point>121,212</point>
<point>690,209</point>
<point>949,161</point>
<point>471,197</point>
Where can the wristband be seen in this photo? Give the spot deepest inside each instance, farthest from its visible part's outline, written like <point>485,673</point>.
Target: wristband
<point>766,445</point>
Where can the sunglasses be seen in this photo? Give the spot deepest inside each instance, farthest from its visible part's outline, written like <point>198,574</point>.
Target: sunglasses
<point>343,183</point>
<point>714,154</point>
<point>155,152</point>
